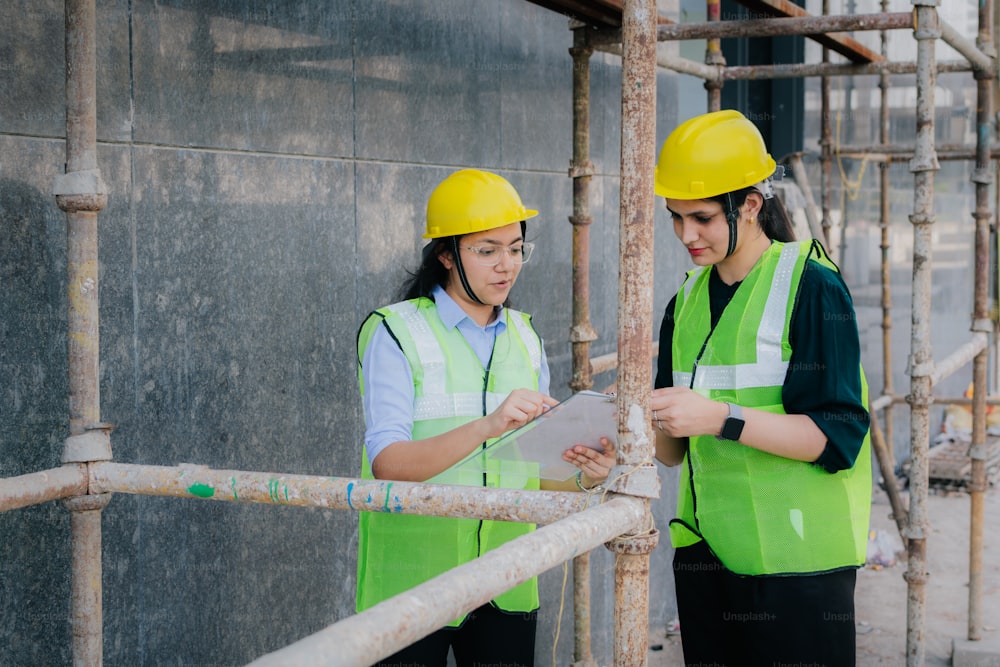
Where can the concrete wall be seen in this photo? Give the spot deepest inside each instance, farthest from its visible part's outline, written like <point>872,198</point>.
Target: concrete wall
<point>268,166</point>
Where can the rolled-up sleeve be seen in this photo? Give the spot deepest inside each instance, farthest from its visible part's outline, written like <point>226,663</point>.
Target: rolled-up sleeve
<point>824,374</point>
<point>388,393</point>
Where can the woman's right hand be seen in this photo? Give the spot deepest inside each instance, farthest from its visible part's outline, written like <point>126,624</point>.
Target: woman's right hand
<point>519,408</point>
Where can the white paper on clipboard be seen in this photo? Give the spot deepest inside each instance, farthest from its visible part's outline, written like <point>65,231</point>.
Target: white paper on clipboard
<point>582,419</point>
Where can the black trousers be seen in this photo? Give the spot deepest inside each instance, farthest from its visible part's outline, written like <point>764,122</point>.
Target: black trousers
<point>489,637</point>
<point>734,621</point>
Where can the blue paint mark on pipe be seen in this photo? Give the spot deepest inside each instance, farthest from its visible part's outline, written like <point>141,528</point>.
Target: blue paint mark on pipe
<point>350,487</point>
<point>388,490</point>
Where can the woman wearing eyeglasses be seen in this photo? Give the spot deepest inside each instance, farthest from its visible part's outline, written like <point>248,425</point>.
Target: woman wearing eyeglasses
<point>443,373</point>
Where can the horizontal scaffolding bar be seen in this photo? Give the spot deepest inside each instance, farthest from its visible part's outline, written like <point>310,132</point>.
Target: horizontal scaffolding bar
<point>768,27</point>
<point>790,71</point>
<point>960,357</point>
<point>878,153</point>
<point>40,487</point>
<point>774,27</point>
<point>609,362</point>
<point>967,48</point>
<point>364,495</point>
<point>786,70</point>
<point>393,624</point>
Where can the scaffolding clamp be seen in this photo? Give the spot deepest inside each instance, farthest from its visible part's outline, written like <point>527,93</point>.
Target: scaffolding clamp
<point>94,444</point>
<point>582,333</point>
<point>981,176</point>
<point>641,480</point>
<point>983,324</point>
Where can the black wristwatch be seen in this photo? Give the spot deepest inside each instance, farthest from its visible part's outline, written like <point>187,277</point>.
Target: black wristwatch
<point>732,428</point>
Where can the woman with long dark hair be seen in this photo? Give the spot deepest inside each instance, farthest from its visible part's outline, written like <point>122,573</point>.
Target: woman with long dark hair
<point>761,398</point>
<point>443,373</point>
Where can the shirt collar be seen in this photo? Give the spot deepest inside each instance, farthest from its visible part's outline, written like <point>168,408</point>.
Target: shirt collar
<point>451,313</point>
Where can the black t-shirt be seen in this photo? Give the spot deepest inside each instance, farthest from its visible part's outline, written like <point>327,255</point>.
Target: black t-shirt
<point>823,381</point>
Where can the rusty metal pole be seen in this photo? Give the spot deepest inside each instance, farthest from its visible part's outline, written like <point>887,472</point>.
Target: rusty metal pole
<point>825,145</point>
<point>581,170</point>
<point>921,361</point>
<point>375,633</point>
<point>980,320</point>
<point>81,193</point>
<point>714,57</point>
<point>635,473</point>
<point>888,388</point>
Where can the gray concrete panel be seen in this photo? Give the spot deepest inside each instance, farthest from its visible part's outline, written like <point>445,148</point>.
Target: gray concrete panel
<point>269,76</point>
<point>536,83</point>
<point>427,89</point>
<point>243,319</point>
<point>33,72</point>
<point>34,407</point>
<point>229,314</point>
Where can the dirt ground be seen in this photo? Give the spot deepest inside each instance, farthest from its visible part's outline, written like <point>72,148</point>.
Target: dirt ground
<point>881,598</point>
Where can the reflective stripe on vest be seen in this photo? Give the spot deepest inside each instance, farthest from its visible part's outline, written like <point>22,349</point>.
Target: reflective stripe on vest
<point>769,369</point>
<point>396,551</point>
<point>760,513</point>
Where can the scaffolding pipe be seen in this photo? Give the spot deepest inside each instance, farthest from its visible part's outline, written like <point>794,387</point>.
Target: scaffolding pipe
<point>713,56</point>
<point>582,333</point>
<point>961,356</point>
<point>674,63</point>
<point>634,468</point>
<point>81,193</point>
<point>582,652</point>
<point>888,386</point>
<point>794,71</point>
<point>808,26</point>
<point>887,465</point>
<point>393,624</point>
<point>981,323</point>
<point>802,179</point>
<point>826,150</point>
<point>581,171</point>
<point>40,487</point>
<point>921,362</point>
<point>360,495</point>
<point>980,61</point>
<point>891,154</point>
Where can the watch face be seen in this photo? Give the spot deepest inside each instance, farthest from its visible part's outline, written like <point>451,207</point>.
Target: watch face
<point>732,429</point>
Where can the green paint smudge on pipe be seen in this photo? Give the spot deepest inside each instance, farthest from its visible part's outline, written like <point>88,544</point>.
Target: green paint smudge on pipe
<point>201,490</point>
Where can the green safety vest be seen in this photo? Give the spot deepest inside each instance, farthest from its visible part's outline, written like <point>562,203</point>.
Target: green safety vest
<point>760,513</point>
<point>399,551</point>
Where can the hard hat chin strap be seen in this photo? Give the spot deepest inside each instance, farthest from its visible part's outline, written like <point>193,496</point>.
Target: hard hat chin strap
<point>732,217</point>
<point>461,271</point>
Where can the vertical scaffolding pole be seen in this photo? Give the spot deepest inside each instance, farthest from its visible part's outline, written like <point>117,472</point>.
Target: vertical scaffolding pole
<point>581,171</point>
<point>582,333</point>
<point>980,321</point>
<point>714,57</point>
<point>825,144</point>
<point>888,388</point>
<point>81,193</point>
<point>923,166</point>
<point>634,472</point>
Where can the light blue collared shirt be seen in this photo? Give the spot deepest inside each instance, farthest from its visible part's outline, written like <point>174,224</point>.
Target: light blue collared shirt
<point>388,383</point>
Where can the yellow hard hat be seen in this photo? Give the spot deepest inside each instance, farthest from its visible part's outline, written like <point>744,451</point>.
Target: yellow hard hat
<point>710,155</point>
<point>472,201</point>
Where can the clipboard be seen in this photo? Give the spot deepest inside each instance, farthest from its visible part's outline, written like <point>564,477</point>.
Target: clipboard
<point>582,419</point>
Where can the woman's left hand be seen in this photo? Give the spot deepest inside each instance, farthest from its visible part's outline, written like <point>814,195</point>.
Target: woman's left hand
<point>594,464</point>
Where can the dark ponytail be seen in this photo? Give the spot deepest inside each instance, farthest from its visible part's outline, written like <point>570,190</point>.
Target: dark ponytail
<point>773,218</point>
<point>431,272</point>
